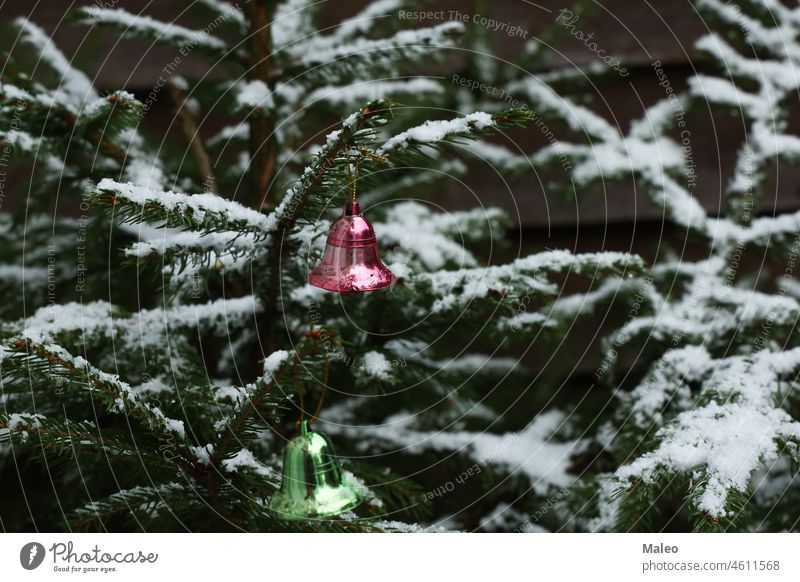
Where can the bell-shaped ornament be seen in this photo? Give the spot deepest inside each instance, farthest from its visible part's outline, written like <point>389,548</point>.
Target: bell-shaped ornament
<point>313,483</point>
<point>351,262</point>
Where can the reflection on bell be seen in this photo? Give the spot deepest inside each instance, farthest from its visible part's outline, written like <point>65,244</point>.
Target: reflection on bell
<point>351,262</point>
<point>312,483</point>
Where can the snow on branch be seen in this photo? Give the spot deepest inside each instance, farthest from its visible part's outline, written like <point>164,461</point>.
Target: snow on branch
<point>435,132</point>
<point>532,451</point>
<point>349,28</point>
<point>141,501</point>
<point>293,22</point>
<point>207,212</point>
<point>20,141</point>
<point>578,118</point>
<point>232,427</point>
<point>369,90</point>
<point>710,311</point>
<point>64,436</point>
<point>147,326</point>
<point>459,288</point>
<point>251,95</point>
<point>74,84</point>
<point>498,156</point>
<point>121,397</point>
<point>150,28</point>
<point>224,250</point>
<point>721,444</point>
<point>437,239</point>
<point>412,42</point>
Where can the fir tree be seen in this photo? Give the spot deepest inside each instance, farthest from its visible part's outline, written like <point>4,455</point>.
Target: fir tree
<point>167,408</point>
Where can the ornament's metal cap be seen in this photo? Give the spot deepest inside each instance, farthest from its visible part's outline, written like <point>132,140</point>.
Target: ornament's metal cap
<point>351,262</point>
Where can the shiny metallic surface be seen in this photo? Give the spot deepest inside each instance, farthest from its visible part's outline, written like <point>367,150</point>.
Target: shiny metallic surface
<point>351,262</point>
<point>313,484</point>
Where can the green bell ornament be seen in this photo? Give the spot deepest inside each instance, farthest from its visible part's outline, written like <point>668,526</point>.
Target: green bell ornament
<point>313,484</point>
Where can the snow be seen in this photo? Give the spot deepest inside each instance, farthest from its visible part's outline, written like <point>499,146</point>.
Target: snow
<point>147,326</point>
<point>147,174</point>
<point>458,288</point>
<point>203,453</point>
<point>419,41</point>
<point>724,441</point>
<point>75,85</point>
<point>245,460</point>
<point>292,22</point>
<point>578,118</point>
<point>220,243</point>
<point>433,131</point>
<point>348,29</point>
<point>240,131</point>
<point>414,228</point>
<point>370,90</point>
<point>254,95</point>
<point>24,273</point>
<point>533,452</point>
<point>362,22</point>
<point>505,518</point>
<point>471,363</point>
<point>710,310</point>
<point>274,362</point>
<point>497,155</point>
<point>126,398</point>
<point>377,365</point>
<point>363,490</point>
<point>200,206</point>
<point>163,31</point>
<point>14,93</point>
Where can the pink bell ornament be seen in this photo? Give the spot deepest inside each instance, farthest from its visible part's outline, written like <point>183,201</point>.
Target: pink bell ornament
<point>351,262</point>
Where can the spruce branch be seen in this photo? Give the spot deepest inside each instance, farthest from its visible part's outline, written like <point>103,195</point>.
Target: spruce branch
<point>139,26</point>
<point>202,212</point>
<point>67,437</point>
<point>139,504</point>
<point>358,128</point>
<point>117,393</point>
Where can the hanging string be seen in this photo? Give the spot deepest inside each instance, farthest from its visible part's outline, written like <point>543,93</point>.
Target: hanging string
<point>325,375</point>
<point>301,399</point>
<point>354,173</point>
<point>353,182</point>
